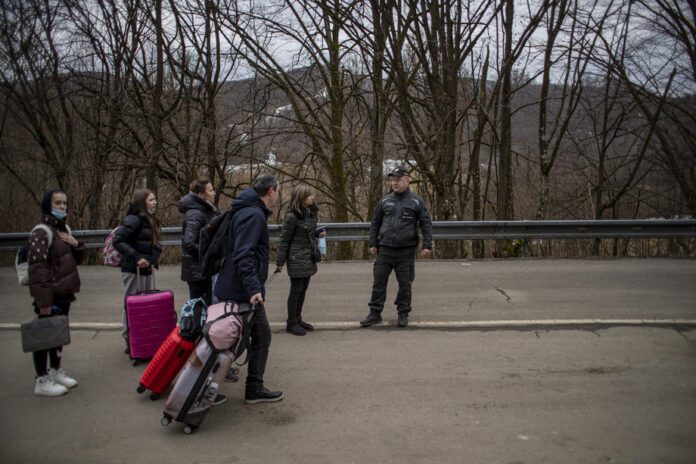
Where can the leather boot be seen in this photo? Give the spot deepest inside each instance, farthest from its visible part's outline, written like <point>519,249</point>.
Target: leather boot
<point>305,325</point>
<point>293,327</point>
<point>373,318</point>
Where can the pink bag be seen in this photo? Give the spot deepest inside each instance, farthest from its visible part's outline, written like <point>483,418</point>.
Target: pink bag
<point>223,325</point>
<point>110,254</point>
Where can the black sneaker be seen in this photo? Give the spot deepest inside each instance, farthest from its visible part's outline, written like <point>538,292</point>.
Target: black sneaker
<point>373,318</point>
<point>263,395</point>
<point>219,399</point>
<point>403,320</point>
<point>232,375</point>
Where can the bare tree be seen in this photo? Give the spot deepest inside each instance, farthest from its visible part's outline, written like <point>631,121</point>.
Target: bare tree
<point>557,104</point>
<point>426,69</point>
<point>317,110</point>
<point>38,94</point>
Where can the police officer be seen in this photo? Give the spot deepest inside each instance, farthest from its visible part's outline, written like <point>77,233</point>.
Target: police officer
<point>394,238</point>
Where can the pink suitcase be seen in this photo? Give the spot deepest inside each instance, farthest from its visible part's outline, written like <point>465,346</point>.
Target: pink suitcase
<point>151,317</point>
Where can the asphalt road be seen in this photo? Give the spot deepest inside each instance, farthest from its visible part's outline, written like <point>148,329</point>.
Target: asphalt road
<point>622,395</point>
<point>619,395</point>
<point>442,291</point>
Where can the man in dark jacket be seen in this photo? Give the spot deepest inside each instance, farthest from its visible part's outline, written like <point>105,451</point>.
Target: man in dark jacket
<point>244,274</point>
<point>394,238</point>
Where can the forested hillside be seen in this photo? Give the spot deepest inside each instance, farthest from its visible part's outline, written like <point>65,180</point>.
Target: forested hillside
<point>539,109</point>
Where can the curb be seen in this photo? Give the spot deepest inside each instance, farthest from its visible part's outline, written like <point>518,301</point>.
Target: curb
<point>533,324</point>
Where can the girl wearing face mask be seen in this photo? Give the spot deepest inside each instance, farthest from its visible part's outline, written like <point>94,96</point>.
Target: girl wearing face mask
<point>137,239</point>
<point>53,256</point>
<point>198,209</point>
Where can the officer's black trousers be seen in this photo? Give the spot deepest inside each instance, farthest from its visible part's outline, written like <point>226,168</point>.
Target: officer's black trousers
<point>403,262</point>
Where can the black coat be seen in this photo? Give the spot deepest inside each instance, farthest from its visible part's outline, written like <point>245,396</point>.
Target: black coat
<point>396,221</point>
<point>298,243</point>
<point>197,213</point>
<point>133,239</point>
<point>245,270</point>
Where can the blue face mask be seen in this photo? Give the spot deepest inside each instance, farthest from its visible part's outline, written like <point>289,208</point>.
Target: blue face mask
<point>58,214</point>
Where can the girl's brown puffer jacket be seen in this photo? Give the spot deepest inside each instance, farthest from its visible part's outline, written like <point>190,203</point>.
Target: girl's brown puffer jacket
<point>52,270</point>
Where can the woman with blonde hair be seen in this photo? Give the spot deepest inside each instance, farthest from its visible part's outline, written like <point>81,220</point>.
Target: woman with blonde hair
<point>299,248</point>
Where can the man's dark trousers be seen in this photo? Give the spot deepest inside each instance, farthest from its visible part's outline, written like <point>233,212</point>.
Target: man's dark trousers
<point>403,262</point>
<point>258,354</point>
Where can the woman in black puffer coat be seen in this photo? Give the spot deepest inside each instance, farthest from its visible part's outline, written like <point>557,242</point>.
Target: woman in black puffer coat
<point>137,239</point>
<point>299,249</point>
<point>198,209</point>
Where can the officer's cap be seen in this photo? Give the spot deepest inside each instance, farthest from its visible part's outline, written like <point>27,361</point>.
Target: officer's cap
<point>398,171</point>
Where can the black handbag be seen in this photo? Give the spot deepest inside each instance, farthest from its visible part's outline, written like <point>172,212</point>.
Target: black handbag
<point>44,333</point>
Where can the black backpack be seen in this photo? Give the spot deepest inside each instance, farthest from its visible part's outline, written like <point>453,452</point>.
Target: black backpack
<point>214,243</point>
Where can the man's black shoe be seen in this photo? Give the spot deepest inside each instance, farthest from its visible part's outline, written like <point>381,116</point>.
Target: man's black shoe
<point>403,320</point>
<point>371,319</point>
<point>263,395</point>
<point>219,399</point>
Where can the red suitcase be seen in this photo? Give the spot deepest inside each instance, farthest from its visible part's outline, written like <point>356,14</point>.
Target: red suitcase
<point>166,364</point>
<point>151,317</point>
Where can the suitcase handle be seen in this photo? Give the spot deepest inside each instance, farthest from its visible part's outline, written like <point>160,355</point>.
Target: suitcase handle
<point>137,280</point>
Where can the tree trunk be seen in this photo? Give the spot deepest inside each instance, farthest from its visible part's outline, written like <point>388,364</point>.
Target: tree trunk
<point>505,181</point>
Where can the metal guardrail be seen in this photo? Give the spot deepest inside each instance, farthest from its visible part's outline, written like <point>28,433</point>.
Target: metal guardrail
<point>446,230</point>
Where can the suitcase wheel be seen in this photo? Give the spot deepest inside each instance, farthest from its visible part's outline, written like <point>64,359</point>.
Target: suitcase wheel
<point>155,396</point>
<point>189,429</point>
<point>166,420</point>
<point>141,388</point>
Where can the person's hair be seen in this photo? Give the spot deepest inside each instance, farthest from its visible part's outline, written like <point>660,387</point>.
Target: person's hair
<point>47,200</point>
<point>198,185</point>
<point>298,197</point>
<point>140,202</point>
<point>263,183</point>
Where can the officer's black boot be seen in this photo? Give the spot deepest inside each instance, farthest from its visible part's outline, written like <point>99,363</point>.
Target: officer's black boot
<point>373,318</point>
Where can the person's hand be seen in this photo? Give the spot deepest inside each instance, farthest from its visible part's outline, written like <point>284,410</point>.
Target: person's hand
<point>45,310</point>
<point>143,263</point>
<point>256,298</point>
<point>67,238</point>
<point>373,250</point>
<point>425,252</point>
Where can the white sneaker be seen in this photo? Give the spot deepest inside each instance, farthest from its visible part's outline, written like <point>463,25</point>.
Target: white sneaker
<point>59,377</point>
<point>47,387</point>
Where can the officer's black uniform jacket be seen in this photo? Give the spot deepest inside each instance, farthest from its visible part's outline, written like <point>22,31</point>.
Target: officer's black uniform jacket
<point>396,220</point>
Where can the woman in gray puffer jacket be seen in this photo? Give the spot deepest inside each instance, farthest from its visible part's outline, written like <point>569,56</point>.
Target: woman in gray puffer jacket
<point>299,249</point>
